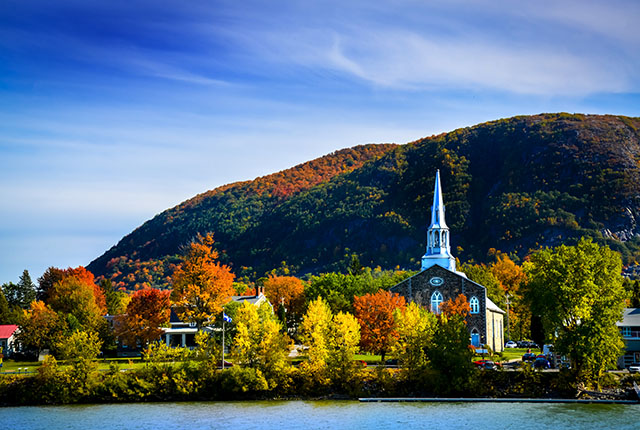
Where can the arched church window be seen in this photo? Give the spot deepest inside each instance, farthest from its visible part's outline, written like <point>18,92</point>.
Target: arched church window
<point>474,304</point>
<point>436,300</point>
<point>436,239</point>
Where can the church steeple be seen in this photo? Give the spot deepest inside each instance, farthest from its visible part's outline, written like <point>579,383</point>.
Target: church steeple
<point>438,249</point>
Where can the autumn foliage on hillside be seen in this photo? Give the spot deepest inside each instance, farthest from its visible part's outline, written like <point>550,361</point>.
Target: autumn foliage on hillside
<point>515,184</point>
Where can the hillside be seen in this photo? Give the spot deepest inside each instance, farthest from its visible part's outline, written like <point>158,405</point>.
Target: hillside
<point>513,184</point>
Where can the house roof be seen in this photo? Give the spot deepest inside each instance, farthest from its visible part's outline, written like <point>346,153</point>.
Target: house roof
<point>6,331</point>
<point>630,317</point>
<point>253,299</point>
<point>493,307</point>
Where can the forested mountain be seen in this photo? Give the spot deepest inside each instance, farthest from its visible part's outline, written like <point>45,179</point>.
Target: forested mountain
<point>513,184</point>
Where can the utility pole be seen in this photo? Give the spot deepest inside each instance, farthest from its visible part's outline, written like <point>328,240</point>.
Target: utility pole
<point>508,319</point>
<point>225,319</point>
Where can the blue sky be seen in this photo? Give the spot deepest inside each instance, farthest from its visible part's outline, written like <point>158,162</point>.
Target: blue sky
<point>112,111</point>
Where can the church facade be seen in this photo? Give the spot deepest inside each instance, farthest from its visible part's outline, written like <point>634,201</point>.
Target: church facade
<point>439,281</point>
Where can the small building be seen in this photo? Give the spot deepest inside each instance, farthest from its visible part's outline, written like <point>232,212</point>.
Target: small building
<point>8,335</point>
<point>630,330</point>
<point>439,281</point>
<point>183,334</point>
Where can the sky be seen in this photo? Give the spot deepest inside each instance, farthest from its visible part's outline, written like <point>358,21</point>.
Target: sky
<point>113,111</point>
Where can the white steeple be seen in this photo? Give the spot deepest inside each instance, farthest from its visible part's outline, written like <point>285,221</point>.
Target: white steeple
<point>438,249</point>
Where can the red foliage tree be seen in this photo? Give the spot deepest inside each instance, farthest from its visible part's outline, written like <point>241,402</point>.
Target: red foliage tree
<point>375,315</point>
<point>147,312</point>
<point>459,306</point>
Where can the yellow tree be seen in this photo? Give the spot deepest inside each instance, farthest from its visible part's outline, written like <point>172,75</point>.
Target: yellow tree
<point>315,332</point>
<point>259,343</point>
<point>343,345</point>
<point>416,327</point>
<point>201,285</point>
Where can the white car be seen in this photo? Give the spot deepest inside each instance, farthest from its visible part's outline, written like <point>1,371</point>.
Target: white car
<point>634,368</point>
<point>511,344</point>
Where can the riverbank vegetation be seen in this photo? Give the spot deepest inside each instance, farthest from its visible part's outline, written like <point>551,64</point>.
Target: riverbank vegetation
<point>327,320</point>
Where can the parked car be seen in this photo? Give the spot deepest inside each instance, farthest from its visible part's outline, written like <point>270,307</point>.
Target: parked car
<point>511,344</point>
<point>487,365</point>
<point>541,363</point>
<point>526,344</point>
<point>528,356</point>
<point>634,368</point>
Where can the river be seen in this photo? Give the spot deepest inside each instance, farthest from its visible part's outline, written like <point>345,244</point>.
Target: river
<point>329,415</point>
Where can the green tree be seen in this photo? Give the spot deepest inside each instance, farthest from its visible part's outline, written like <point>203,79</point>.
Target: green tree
<point>21,294</point>
<point>5,311</point>
<point>116,301</point>
<point>632,288</point>
<point>578,292</point>
<point>450,354</point>
<point>484,276</point>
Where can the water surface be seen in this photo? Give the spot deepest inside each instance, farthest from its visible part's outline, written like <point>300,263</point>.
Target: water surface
<point>316,415</point>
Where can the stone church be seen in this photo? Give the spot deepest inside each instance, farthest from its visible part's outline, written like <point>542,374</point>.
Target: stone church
<point>439,281</point>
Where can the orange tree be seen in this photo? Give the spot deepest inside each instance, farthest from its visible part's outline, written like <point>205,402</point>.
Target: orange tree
<point>40,328</point>
<point>201,285</point>
<point>375,315</point>
<point>147,311</point>
<point>286,294</point>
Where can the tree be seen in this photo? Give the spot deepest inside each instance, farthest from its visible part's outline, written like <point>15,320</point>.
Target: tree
<point>633,290</point>
<point>377,325</point>
<point>511,276</point>
<point>577,291</point>
<point>482,275</point>
<point>75,298</point>
<point>416,327</point>
<point>286,294</point>
<point>450,353</point>
<point>46,282</point>
<point>201,285</point>
<point>116,301</point>
<point>5,311</point>
<point>343,345</point>
<point>40,328</point>
<point>80,345</point>
<point>259,343</point>
<point>315,332</point>
<point>459,306</point>
<point>146,313</point>
<point>21,294</point>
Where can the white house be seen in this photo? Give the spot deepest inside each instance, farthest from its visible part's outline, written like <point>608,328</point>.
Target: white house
<point>180,333</point>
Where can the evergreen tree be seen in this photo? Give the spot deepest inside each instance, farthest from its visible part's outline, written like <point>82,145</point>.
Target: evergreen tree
<point>27,290</point>
<point>21,294</point>
<point>5,317</point>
